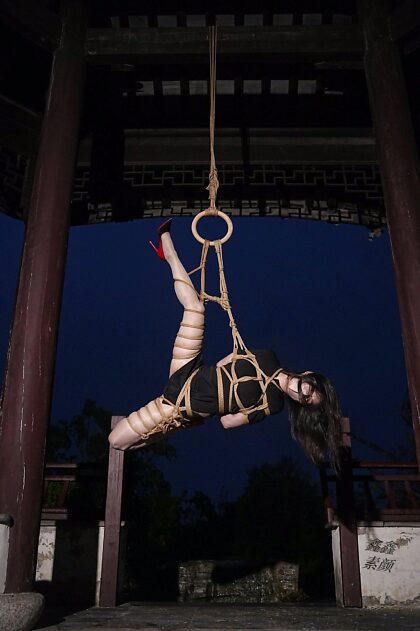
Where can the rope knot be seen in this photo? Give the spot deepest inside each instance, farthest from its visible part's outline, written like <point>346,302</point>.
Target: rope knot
<point>213,187</point>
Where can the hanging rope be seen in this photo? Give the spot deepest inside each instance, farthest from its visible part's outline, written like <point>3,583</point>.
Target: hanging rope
<point>223,298</point>
<point>182,415</point>
<point>240,349</point>
<point>213,179</point>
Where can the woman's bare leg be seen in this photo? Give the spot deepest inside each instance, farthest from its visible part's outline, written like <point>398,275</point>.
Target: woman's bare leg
<point>130,430</point>
<point>187,345</point>
<point>189,339</point>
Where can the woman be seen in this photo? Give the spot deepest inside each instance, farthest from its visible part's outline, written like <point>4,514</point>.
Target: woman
<point>240,392</point>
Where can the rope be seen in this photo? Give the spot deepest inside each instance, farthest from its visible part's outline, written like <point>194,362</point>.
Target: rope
<point>213,179</point>
<point>182,413</point>
<point>240,350</point>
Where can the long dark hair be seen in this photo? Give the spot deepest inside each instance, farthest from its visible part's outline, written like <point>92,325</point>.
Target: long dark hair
<point>317,427</point>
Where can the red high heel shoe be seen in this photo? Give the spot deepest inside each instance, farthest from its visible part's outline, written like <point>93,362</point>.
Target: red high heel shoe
<point>165,227</point>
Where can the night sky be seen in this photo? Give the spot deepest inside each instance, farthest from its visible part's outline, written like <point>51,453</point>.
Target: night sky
<point>322,296</point>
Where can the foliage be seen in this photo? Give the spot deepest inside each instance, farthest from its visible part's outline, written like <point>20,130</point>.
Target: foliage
<point>277,517</point>
<point>84,439</point>
<point>280,517</point>
<point>276,513</point>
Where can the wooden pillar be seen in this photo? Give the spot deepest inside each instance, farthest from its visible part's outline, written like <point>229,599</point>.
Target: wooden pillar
<point>112,528</point>
<point>30,366</point>
<point>349,549</point>
<point>400,172</point>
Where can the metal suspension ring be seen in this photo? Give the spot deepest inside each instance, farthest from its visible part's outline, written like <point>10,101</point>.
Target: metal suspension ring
<point>212,213</point>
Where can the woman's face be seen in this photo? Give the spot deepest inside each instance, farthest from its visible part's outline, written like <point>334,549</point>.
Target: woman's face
<point>290,386</point>
<point>314,396</point>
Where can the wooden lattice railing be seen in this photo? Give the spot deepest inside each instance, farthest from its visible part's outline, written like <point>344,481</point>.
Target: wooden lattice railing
<point>59,482</point>
<point>382,491</point>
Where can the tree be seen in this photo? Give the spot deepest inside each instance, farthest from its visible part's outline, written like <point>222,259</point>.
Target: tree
<point>279,517</point>
<point>84,439</point>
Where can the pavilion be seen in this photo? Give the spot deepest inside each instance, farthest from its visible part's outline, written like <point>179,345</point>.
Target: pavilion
<point>318,118</point>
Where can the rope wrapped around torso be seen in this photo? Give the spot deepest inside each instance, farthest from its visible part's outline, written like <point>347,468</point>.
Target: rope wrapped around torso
<point>242,385</point>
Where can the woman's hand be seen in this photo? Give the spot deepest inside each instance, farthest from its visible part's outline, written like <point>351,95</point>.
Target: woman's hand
<point>225,360</point>
<point>234,420</point>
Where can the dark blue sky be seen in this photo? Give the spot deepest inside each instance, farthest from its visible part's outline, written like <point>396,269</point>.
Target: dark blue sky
<point>321,296</point>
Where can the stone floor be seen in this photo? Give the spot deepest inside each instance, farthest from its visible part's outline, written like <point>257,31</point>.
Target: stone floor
<point>176,617</point>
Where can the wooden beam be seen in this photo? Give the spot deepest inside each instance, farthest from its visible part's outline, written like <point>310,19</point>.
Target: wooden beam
<point>190,45</point>
<point>19,127</point>
<point>265,146</point>
<point>404,20</point>
<point>33,21</point>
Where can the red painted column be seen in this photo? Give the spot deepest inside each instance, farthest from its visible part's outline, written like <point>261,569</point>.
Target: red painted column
<point>400,172</point>
<point>30,365</point>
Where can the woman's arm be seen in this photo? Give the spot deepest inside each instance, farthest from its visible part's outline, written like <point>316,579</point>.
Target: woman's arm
<point>233,420</point>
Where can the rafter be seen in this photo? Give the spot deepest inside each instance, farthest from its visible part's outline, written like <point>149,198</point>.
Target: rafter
<point>190,45</point>
<point>33,21</point>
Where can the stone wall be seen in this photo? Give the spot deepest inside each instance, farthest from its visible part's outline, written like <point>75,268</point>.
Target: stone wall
<point>237,582</point>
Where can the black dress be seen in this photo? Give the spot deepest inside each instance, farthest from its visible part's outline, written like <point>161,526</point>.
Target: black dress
<point>204,397</point>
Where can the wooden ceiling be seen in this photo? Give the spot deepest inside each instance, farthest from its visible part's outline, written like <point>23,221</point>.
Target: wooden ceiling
<point>290,65</point>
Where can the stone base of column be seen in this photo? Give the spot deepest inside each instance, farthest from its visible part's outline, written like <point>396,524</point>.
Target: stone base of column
<point>20,612</point>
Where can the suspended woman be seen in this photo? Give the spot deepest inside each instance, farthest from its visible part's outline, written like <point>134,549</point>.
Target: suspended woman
<point>238,390</point>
